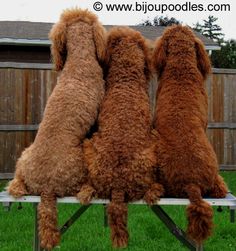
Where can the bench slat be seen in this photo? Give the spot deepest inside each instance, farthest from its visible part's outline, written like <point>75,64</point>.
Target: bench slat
<point>229,200</point>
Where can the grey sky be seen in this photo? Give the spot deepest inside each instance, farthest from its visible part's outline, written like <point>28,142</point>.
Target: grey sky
<point>49,11</point>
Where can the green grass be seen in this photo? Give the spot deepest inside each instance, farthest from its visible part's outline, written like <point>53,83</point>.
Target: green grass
<point>147,232</point>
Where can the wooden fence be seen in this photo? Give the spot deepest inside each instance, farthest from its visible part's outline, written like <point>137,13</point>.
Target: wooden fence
<point>24,90</point>
<point>23,95</point>
<point>221,87</point>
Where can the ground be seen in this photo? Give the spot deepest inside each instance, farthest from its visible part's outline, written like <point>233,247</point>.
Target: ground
<point>88,234</point>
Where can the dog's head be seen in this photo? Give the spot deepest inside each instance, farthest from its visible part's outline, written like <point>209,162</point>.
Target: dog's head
<point>122,39</point>
<point>176,41</point>
<point>58,35</point>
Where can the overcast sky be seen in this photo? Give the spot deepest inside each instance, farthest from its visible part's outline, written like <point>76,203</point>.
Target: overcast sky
<point>49,11</point>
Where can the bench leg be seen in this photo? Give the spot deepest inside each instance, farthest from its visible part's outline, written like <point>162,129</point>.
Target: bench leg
<point>232,215</point>
<point>73,218</point>
<point>174,229</point>
<point>105,215</point>
<point>36,234</point>
<point>7,206</point>
<point>199,247</point>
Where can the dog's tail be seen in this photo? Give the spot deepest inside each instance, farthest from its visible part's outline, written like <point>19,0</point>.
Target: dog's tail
<point>117,214</point>
<point>47,218</point>
<point>199,214</point>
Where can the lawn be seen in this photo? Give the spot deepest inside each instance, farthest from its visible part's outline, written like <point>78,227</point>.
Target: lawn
<point>147,232</point>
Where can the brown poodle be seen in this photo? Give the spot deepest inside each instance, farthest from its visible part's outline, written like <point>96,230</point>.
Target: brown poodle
<point>187,161</point>
<point>119,167</point>
<point>53,165</point>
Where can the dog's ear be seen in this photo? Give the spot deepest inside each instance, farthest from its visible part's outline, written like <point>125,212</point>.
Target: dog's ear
<point>112,41</point>
<point>160,55</point>
<point>145,46</point>
<point>100,40</point>
<point>58,47</point>
<point>203,61</point>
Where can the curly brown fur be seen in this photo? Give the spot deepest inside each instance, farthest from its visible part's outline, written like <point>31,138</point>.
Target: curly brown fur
<point>54,162</point>
<point>47,218</point>
<point>17,187</point>
<point>117,156</point>
<point>58,35</point>
<point>199,215</point>
<point>118,213</point>
<point>219,189</point>
<point>185,155</point>
<point>154,192</point>
<point>86,194</point>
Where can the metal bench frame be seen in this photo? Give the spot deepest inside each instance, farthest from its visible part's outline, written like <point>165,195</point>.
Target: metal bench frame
<point>229,201</point>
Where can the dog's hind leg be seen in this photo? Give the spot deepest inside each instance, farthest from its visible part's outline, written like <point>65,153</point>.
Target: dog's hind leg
<point>47,212</point>
<point>154,193</point>
<point>219,189</point>
<point>199,214</point>
<point>86,194</point>
<point>117,214</point>
<point>17,187</point>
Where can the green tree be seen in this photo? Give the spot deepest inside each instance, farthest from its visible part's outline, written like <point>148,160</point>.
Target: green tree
<point>226,57</point>
<point>210,29</point>
<point>160,21</point>
<point>198,27</point>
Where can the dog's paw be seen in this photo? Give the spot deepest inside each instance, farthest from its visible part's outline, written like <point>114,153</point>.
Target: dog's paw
<point>219,189</point>
<point>86,194</point>
<point>153,194</point>
<point>17,188</point>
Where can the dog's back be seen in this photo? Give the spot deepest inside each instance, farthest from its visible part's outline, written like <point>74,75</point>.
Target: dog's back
<point>181,96</point>
<point>182,112</point>
<point>125,117</point>
<point>71,109</point>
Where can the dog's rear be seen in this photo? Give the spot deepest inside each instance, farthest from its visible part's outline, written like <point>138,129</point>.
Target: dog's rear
<point>188,164</point>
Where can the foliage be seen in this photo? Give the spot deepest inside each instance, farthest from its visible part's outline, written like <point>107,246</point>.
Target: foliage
<point>160,21</point>
<point>210,29</point>
<point>226,57</point>
<point>197,27</point>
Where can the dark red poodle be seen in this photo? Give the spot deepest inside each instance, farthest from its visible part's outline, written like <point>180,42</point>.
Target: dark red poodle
<point>187,161</point>
<point>119,165</point>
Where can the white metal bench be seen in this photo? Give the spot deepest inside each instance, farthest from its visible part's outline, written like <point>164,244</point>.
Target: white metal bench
<point>229,201</point>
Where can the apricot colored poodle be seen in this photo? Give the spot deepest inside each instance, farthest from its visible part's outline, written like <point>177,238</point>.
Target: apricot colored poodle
<point>119,167</point>
<point>53,165</point>
<point>187,161</point>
